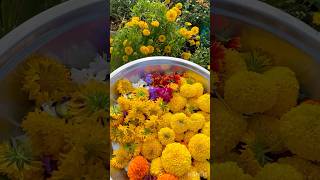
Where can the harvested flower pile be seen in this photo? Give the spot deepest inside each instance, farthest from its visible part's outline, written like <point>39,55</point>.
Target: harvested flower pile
<point>262,127</point>
<point>160,127</point>
<point>65,130</point>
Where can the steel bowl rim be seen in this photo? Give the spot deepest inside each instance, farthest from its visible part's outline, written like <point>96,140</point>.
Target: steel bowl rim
<point>177,61</point>
<point>34,23</point>
<point>311,41</point>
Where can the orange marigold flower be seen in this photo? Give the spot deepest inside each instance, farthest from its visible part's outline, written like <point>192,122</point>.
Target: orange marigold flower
<point>167,177</point>
<point>138,168</point>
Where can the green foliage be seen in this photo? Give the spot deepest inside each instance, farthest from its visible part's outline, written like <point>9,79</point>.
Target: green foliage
<point>120,11</point>
<point>19,154</point>
<point>301,9</point>
<point>258,61</point>
<point>15,12</point>
<point>196,13</point>
<point>201,57</point>
<point>131,35</point>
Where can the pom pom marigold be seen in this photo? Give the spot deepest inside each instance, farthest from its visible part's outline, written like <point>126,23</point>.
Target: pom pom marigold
<point>199,147</point>
<point>176,159</point>
<point>138,168</point>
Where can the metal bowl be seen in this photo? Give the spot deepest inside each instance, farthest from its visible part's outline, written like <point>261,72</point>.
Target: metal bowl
<point>291,42</point>
<point>73,32</point>
<point>134,70</point>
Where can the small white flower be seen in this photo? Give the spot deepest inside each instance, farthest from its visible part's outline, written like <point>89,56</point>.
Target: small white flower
<point>140,83</point>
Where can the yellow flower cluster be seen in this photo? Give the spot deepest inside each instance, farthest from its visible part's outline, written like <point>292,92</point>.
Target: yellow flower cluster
<point>174,12</point>
<point>154,34</point>
<point>169,133</point>
<point>70,131</point>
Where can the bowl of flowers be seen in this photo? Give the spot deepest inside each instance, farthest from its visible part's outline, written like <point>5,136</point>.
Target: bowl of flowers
<point>160,119</point>
<point>266,93</point>
<point>49,58</point>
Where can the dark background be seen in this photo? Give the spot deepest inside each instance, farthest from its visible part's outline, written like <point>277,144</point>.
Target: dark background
<point>15,12</point>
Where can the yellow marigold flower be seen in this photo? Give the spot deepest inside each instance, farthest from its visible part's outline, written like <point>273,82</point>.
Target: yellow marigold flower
<point>135,18</point>
<point>141,93</point>
<point>45,79</point>
<point>182,81</point>
<point>155,23</point>
<point>150,49</point>
<point>179,123</point>
<point>111,40</point>
<point>205,114</point>
<point>16,162</point>
<point>192,42</point>
<point>124,103</point>
<point>72,163</point>
<point>188,91</point>
<point>188,34</point>
<point>241,97</point>
<point>130,24</point>
<point>166,135</point>
<point>204,103</point>
<point>167,49</point>
<point>206,129</point>
<point>203,168</point>
<point>47,133</point>
<point>198,43</point>
<point>146,32</point>
<point>156,168</point>
<point>192,106</point>
<point>143,25</point>
<point>125,42</point>
<point>187,24</point>
<point>162,38</point>
<point>279,172</point>
<point>164,121</point>
<point>121,158</point>
<point>198,88</point>
<point>144,50</point>
<point>195,30</point>
<point>176,159</point>
<point>166,1</point>
<point>288,87</point>
<point>177,103</point>
<point>174,86</point>
<point>125,58</point>
<point>171,15</point>
<point>128,50</point>
<point>186,55</point>
<point>111,49</point>
<point>155,108</point>
<point>177,10</point>
<point>192,174</point>
<point>151,149</point>
<point>196,122</point>
<point>188,135</point>
<point>199,147</point>
<point>179,5</point>
<point>124,86</point>
<point>300,131</point>
<point>152,122</point>
<point>316,18</point>
<point>183,31</point>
